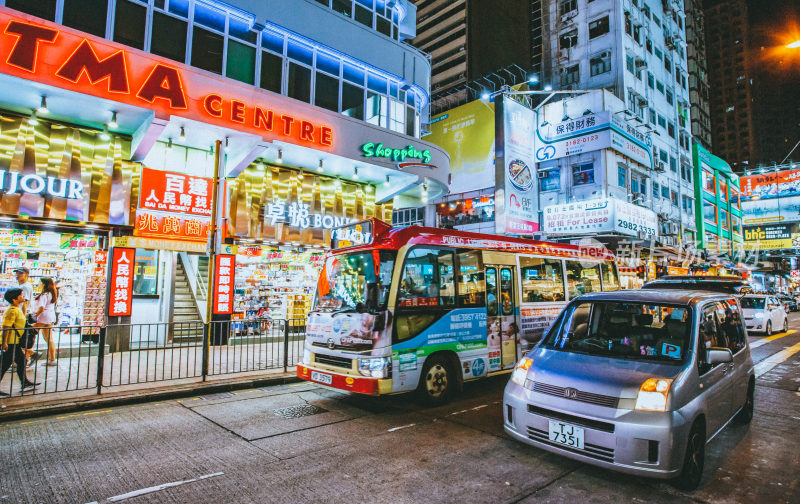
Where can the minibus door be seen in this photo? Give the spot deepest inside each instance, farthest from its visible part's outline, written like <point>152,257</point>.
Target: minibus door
<point>501,312</point>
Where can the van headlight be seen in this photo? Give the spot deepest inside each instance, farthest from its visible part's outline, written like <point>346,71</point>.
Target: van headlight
<point>521,371</point>
<point>759,315</point>
<point>653,395</point>
<point>306,356</point>
<point>375,367</point>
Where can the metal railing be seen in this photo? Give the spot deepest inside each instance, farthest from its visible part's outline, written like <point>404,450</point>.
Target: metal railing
<point>120,355</point>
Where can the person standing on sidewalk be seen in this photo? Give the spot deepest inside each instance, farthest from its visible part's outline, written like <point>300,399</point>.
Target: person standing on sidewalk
<point>45,313</point>
<point>23,278</point>
<point>13,327</point>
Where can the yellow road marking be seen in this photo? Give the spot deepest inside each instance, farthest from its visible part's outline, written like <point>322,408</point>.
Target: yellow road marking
<point>764,341</point>
<point>778,358</point>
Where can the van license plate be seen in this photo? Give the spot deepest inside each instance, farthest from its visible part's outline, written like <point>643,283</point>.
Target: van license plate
<point>566,434</point>
<point>321,377</point>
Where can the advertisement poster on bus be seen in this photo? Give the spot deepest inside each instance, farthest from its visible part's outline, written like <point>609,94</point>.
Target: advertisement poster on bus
<point>346,331</point>
<point>467,134</point>
<point>517,211</point>
<point>536,319</point>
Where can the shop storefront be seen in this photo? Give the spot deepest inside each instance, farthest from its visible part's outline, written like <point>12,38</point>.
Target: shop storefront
<point>104,146</point>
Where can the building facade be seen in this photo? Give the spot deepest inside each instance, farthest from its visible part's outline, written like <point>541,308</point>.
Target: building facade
<point>719,211</point>
<point>731,82</point>
<point>638,50</point>
<point>475,46</point>
<point>698,72</point>
<point>112,114</point>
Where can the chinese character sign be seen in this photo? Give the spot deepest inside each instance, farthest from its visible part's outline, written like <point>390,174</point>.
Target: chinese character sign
<point>154,224</point>
<point>175,192</point>
<point>121,287</point>
<point>224,269</point>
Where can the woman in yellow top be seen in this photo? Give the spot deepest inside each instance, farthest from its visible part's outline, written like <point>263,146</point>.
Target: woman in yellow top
<point>13,328</point>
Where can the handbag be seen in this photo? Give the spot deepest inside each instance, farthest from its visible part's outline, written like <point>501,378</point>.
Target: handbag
<point>30,333</point>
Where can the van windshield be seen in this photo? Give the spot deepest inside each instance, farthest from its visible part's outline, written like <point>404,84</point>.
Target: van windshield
<point>344,277</point>
<point>623,330</point>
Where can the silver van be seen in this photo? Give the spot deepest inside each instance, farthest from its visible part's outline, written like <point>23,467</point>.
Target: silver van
<point>635,381</point>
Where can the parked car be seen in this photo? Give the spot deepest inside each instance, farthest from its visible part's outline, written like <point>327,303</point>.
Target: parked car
<point>635,381</point>
<point>726,284</point>
<point>789,302</point>
<point>763,313</point>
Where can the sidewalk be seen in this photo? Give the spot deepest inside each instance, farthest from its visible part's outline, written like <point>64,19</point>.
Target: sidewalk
<point>149,373</point>
<point>27,406</point>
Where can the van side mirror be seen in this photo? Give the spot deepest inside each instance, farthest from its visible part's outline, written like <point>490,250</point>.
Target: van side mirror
<point>716,355</point>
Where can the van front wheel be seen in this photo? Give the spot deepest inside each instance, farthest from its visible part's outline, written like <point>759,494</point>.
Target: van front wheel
<point>436,382</point>
<point>694,460</point>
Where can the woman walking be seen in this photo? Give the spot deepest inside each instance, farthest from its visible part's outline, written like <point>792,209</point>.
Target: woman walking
<point>45,314</point>
<point>13,327</point>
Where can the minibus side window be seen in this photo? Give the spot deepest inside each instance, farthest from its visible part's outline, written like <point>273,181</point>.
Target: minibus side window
<point>471,285</point>
<point>542,279</point>
<point>610,278</point>
<point>427,291</point>
<point>582,279</point>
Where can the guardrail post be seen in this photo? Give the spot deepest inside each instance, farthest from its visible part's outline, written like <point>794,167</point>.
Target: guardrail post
<point>101,351</point>
<point>286,345</point>
<point>206,343</point>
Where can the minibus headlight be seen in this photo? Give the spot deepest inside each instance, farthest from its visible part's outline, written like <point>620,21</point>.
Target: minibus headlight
<point>375,367</point>
<point>306,356</point>
<point>521,371</point>
<point>653,395</point>
<point>759,315</point>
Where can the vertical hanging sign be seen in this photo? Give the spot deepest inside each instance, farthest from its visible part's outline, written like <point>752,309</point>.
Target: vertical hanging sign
<point>224,268</point>
<point>516,190</point>
<point>120,289</point>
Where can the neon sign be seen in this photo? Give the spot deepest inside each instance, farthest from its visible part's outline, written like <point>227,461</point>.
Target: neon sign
<point>14,182</point>
<point>298,215</point>
<point>396,155</point>
<point>64,58</point>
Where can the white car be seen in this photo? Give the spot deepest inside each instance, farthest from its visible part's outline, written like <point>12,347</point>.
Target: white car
<point>764,314</point>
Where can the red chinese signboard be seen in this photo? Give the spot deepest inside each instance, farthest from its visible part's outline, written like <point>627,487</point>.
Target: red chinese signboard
<point>120,289</point>
<point>154,224</point>
<point>175,192</point>
<point>224,268</point>
<point>100,256</point>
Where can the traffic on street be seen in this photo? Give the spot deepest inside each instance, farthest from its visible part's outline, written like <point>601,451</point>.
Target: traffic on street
<point>308,442</point>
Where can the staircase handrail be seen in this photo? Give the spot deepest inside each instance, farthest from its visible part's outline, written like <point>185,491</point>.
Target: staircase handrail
<point>199,292</point>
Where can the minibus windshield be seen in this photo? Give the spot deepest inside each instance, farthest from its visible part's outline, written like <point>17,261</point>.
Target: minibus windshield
<point>344,278</point>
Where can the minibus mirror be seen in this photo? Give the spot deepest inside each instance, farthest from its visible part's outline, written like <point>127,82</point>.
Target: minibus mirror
<point>718,356</point>
<point>371,293</point>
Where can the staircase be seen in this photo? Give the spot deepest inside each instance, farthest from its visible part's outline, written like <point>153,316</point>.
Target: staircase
<point>186,309</point>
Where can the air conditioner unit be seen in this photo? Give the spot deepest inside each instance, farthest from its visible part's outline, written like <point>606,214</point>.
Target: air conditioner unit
<point>564,53</point>
<point>566,18</point>
<point>659,166</point>
<point>670,42</point>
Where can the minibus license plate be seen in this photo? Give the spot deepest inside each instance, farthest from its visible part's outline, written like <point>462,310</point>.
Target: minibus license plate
<point>321,377</point>
<point>566,434</point>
